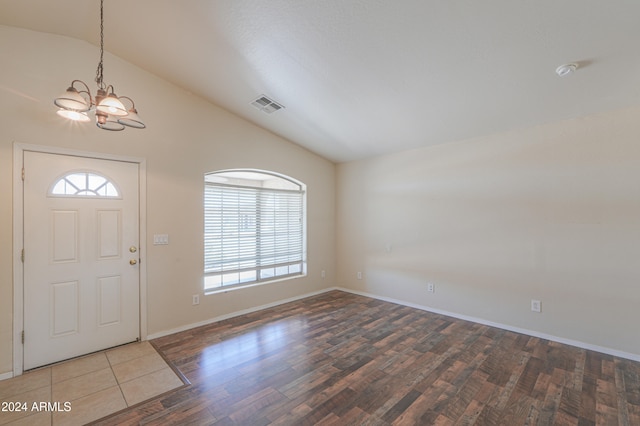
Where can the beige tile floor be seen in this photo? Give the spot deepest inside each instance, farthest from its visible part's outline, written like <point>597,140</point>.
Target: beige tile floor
<point>88,388</point>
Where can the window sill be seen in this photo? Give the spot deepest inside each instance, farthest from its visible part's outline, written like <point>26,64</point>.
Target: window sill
<point>249,285</point>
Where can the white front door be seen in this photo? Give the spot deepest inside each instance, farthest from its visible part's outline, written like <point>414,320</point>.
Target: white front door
<point>81,273</point>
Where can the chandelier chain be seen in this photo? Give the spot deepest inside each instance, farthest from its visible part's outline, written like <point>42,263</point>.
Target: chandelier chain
<point>100,70</point>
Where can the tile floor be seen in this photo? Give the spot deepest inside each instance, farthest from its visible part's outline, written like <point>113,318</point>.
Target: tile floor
<point>88,388</point>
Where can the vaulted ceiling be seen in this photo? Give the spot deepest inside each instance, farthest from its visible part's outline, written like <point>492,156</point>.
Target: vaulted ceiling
<point>360,78</point>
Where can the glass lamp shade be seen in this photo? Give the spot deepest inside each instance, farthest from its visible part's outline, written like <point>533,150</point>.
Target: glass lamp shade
<point>111,105</point>
<point>132,120</point>
<point>72,100</point>
<point>73,115</point>
<point>107,122</point>
<point>111,125</point>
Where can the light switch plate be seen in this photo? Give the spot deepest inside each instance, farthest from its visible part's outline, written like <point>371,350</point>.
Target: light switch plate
<point>160,239</point>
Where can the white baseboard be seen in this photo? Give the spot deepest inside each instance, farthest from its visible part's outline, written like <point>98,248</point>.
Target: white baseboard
<point>236,314</point>
<point>576,343</point>
<point>5,376</point>
<point>570,342</point>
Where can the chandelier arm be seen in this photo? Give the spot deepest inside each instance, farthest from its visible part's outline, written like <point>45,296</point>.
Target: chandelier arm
<point>87,90</point>
<point>133,104</point>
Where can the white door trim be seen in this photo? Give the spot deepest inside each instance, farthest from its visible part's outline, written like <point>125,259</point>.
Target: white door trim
<point>18,238</point>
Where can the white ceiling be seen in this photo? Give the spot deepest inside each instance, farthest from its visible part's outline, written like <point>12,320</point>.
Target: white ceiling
<point>366,77</point>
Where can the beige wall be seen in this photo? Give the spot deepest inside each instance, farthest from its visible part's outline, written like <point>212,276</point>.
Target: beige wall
<point>185,138</point>
<point>550,213</point>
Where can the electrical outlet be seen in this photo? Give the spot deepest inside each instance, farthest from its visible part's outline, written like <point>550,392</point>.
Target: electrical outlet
<point>359,275</point>
<point>536,305</point>
<point>322,274</point>
<point>431,287</point>
<point>196,299</point>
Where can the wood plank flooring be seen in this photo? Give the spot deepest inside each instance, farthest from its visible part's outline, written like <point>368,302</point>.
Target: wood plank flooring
<point>344,359</point>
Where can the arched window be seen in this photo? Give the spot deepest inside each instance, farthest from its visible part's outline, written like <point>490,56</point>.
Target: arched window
<point>84,184</point>
<point>254,228</point>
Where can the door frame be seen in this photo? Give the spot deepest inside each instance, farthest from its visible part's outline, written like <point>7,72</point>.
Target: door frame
<point>18,237</point>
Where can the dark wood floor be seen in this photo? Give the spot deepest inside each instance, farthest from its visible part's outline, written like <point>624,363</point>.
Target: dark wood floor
<point>344,359</point>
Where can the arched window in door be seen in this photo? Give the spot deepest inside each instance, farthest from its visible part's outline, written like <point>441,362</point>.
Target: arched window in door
<point>84,184</point>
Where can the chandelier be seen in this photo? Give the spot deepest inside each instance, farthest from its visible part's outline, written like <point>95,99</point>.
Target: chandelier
<point>111,114</point>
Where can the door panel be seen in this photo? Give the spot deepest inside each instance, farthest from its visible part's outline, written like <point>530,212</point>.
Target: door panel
<point>109,233</point>
<point>64,308</point>
<point>81,294</point>
<point>109,305</point>
<point>64,236</point>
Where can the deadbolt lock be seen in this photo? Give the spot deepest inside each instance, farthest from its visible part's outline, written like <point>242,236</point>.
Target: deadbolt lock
<point>133,249</point>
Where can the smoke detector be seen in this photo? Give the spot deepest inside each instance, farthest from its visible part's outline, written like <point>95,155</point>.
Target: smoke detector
<point>566,69</point>
<point>266,105</point>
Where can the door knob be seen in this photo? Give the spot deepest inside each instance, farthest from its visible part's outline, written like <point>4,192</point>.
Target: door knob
<point>133,262</point>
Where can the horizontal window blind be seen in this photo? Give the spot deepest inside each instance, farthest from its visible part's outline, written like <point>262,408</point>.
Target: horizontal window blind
<point>251,234</point>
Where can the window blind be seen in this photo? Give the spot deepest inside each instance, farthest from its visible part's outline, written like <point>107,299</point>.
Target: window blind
<point>251,234</point>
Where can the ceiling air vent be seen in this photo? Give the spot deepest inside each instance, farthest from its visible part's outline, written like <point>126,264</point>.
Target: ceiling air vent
<point>266,105</point>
